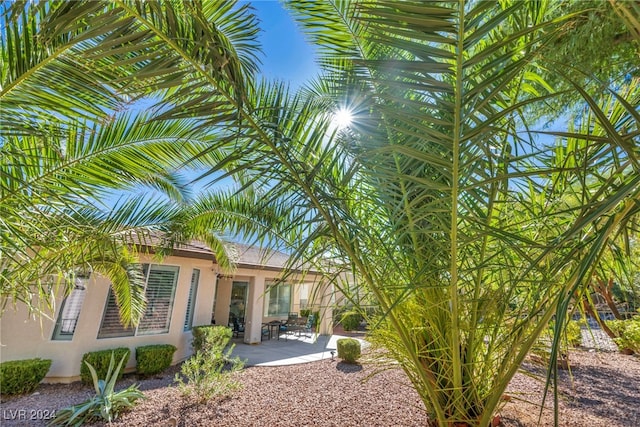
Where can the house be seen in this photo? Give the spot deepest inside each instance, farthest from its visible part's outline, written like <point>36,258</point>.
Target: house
<point>185,290</point>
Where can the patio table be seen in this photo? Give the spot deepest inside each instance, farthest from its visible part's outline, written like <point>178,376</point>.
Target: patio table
<point>274,327</point>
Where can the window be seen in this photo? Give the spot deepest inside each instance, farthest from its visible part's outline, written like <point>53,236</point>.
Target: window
<point>278,301</point>
<point>70,311</point>
<point>304,295</point>
<point>160,288</point>
<point>111,326</point>
<point>193,291</point>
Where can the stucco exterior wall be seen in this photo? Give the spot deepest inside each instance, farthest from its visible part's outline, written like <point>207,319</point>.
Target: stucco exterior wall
<point>25,337</point>
<point>222,301</point>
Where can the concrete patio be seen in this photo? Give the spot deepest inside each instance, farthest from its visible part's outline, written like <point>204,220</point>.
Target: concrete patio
<point>291,351</point>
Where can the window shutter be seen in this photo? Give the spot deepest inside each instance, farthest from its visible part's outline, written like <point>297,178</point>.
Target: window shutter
<point>193,291</point>
<point>111,326</point>
<point>161,286</point>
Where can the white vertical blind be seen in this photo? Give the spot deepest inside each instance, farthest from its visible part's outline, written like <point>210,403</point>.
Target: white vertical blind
<point>193,291</point>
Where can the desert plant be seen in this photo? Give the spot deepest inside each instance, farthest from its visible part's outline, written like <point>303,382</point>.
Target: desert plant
<point>350,320</point>
<point>22,376</point>
<point>100,361</point>
<point>153,359</point>
<point>210,338</point>
<point>72,221</point>
<point>206,376</point>
<point>574,333</point>
<point>628,334</point>
<point>348,349</point>
<point>107,403</point>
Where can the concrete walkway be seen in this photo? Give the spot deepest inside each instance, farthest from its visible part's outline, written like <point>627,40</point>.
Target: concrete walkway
<point>292,351</point>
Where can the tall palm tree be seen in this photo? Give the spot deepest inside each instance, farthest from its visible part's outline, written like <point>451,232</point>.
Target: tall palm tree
<point>74,79</point>
<point>421,198</point>
<point>424,196</point>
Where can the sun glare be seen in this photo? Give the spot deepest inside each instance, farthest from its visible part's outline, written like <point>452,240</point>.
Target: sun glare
<point>342,118</point>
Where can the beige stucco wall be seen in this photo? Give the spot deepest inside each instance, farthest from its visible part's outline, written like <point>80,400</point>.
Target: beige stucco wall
<point>222,301</point>
<point>23,337</point>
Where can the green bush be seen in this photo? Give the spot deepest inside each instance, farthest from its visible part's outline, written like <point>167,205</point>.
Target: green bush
<point>100,362</point>
<point>209,375</point>
<point>582,322</point>
<point>106,404</point>
<point>22,376</point>
<point>339,311</point>
<point>628,332</point>
<point>350,320</point>
<point>153,359</point>
<point>348,349</point>
<point>570,337</point>
<point>574,333</point>
<point>210,338</point>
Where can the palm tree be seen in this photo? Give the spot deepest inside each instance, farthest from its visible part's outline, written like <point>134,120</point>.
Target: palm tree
<point>422,198</point>
<point>425,196</point>
<point>74,78</point>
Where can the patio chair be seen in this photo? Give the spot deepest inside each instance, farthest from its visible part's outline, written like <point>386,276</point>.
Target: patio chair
<point>311,322</point>
<point>238,328</point>
<point>265,332</point>
<point>295,324</point>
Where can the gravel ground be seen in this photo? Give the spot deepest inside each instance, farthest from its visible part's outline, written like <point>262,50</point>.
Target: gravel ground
<point>596,338</point>
<point>605,391</point>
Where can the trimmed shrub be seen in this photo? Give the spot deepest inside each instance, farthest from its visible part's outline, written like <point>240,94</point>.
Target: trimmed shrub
<point>628,332</point>
<point>153,359</point>
<point>22,376</point>
<point>348,349</point>
<point>210,338</point>
<point>100,361</point>
<point>350,320</point>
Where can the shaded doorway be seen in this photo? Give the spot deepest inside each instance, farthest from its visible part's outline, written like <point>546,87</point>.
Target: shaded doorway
<point>238,306</point>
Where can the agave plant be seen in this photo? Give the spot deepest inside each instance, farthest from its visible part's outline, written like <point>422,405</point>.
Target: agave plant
<point>106,405</point>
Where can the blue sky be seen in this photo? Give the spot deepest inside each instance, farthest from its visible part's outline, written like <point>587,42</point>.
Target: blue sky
<point>287,55</point>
